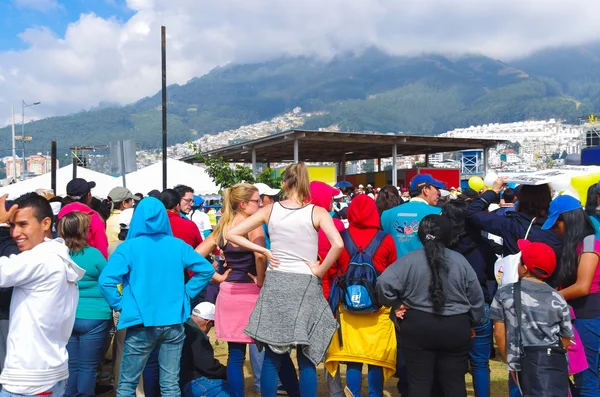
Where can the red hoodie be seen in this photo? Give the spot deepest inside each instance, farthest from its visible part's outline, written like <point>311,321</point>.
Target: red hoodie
<point>364,224</point>
<point>322,196</point>
<point>97,234</point>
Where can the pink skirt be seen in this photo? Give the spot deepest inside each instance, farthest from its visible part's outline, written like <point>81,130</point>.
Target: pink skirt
<point>234,305</point>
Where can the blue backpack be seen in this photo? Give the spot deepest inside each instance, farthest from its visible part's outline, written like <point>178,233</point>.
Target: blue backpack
<point>355,289</point>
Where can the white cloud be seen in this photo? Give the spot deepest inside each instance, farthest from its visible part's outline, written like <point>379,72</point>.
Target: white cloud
<point>119,61</point>
<point>38,5</point>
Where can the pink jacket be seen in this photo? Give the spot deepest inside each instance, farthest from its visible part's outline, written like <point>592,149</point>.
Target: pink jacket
<point>97,234</point>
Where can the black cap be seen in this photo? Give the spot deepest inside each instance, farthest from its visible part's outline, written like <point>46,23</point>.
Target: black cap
<point>153,193</point>
<point>79,187</point>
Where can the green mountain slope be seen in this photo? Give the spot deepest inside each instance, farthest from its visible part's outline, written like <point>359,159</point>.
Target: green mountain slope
<point>371,91</point>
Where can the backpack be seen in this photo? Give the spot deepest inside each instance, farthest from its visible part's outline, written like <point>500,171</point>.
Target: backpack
<point>355,289</point>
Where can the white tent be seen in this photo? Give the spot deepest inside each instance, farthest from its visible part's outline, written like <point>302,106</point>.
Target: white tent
<point>178,173</point>
<point>104,183</point>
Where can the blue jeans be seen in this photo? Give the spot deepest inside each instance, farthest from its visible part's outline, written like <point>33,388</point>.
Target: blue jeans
<point>235,368</point>
<point>256,361</point>
<point>281,365</point>
<point>85,349</point>
<point>139,343</point>
<point>374,376</point>
<point>58,390</point>
<point>151,375</point>
<point>402,384</point>
<point>202,386</point>
<point>479,356</point>
<point>587,382</point>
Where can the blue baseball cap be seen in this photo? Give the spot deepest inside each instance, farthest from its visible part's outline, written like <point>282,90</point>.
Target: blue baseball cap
<point>423,180</point>
<point>198,201</point>
<point>561,204</point>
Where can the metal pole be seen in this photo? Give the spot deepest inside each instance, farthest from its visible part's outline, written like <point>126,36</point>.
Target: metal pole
<point>75,160</point>
<point>14,146</point>
<point>296,158</point>
<point>23,165</point>
<point>163,43</point>
<point>394,166</point>
<point>343,167</point>
<point>53,167</point>
<point>485,160</point>
<point>426,161</point>
<point>254,162</point>
<point>123,162</point>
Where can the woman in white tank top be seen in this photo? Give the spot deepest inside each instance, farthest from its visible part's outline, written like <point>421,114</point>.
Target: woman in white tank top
<point>291,310</point>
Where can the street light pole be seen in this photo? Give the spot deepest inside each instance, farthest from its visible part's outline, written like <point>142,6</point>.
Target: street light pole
<point>23,163</point>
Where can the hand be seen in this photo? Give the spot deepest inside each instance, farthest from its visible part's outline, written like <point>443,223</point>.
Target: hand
<point>315,268</point>
<point>273,262</point>
<point>472,333</point>
<point>401,311</point>
<point>254,278</point>
<point>4,214</point>
<point>219,278</point>
<point>498,184</point>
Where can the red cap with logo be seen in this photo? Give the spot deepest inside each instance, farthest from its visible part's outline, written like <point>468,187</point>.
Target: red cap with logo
<point>538,257</point>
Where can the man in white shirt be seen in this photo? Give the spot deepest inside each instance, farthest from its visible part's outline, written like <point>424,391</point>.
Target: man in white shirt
<point>44,300</point>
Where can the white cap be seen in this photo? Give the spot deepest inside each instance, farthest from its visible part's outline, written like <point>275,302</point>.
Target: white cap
<point>205,310</point>
<point>369,185</point>
<point>266,190</point>
<point>339,195</point>
<point>444,193</point>
<point>125,217</point>
<point>361,186</point>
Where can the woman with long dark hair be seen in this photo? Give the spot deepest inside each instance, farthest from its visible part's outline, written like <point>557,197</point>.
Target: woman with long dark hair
<point>445,301</point>
<point>531,211</point>
<point>477,250</point>
<point>387,198</point>
<point>291,310</point>
<point>579,281</point>
<point>93,315</point>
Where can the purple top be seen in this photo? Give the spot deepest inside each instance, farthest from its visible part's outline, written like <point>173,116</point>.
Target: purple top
<point>241,261</point>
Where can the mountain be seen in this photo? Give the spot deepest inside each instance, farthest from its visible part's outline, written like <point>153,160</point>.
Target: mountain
<point>370,91</point>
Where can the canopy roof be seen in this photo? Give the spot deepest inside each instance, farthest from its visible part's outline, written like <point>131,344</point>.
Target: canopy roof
<point>104,183</point>
<point>329,146</point>
<point>178,173</point>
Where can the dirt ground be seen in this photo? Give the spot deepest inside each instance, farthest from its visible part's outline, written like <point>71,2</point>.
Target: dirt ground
<point>499,386</point>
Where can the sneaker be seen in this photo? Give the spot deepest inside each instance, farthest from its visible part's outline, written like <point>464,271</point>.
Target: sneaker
<point>281,391</point>
<point>104,389</point>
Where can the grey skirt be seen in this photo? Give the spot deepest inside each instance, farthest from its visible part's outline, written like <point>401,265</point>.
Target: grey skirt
<point>292,311</point>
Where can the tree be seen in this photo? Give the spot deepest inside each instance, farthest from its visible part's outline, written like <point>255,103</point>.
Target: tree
<point>369,166</point>
<point>226,175</point>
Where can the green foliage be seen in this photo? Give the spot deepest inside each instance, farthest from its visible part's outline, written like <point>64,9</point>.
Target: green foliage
<point>226,175</point>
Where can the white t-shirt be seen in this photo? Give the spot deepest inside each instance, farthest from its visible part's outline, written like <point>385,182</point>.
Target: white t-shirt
<point>201,219</point>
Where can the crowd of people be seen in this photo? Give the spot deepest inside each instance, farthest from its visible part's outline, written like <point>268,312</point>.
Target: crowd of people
<point>404,282</point>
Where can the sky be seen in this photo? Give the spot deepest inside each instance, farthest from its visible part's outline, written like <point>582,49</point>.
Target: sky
<point>74,54</point>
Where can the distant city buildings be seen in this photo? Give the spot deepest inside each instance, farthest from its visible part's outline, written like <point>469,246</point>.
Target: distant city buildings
<point>37,164</point>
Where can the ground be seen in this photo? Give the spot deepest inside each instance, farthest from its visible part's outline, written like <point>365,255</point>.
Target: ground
<point>499,386</point>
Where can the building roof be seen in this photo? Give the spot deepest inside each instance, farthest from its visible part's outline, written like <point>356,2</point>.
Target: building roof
<point>329,146</point>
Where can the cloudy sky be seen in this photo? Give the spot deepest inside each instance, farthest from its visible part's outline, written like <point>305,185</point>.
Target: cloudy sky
<point>72,54</point>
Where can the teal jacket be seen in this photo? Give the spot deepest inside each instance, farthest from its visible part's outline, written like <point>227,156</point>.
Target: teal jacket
<point>91,305</point>
<point>150,264</point>
<point>402,222</point>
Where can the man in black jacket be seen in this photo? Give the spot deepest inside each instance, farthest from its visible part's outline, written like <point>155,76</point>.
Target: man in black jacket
<point>201,373</point>
<point>8,247</point>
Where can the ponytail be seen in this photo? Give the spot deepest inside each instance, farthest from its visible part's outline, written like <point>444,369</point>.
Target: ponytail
<point>435,233</point>
<point>295,178</point>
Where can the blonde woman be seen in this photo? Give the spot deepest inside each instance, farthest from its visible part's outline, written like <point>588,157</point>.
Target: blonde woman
<point>291,310</point>
<point>241,282</point>
<point>93,315</point>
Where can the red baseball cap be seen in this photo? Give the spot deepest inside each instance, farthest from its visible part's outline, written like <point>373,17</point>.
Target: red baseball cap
<point>538,257</point>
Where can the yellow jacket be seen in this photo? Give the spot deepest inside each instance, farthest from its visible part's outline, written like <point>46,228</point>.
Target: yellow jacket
<point>367,338</point>
<point>113,227</point>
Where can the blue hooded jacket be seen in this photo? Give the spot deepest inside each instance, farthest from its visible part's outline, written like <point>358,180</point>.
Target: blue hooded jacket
<point>150,265</point>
